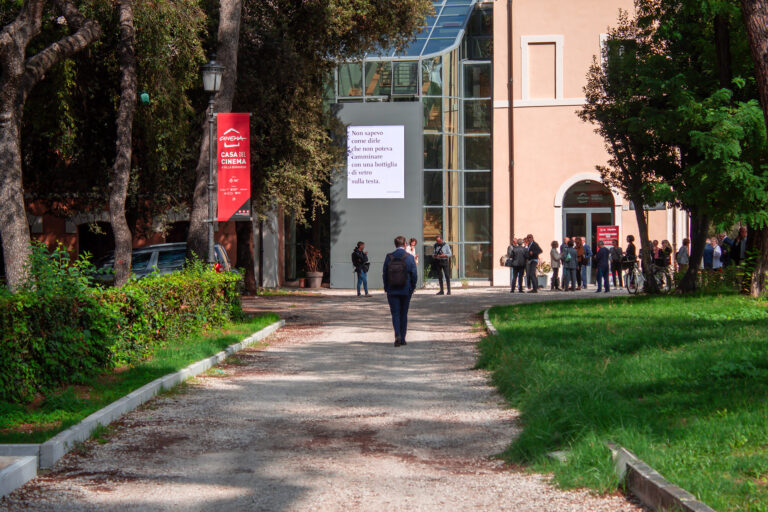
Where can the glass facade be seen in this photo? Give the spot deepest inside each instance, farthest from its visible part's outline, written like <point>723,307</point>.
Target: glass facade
<point>448,69</point>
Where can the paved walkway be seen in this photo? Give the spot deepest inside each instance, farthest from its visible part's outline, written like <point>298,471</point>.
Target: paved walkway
<point>330,417</point>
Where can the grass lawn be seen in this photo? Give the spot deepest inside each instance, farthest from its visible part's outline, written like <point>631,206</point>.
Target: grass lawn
<point>680,381</point>
<point>45,417</point>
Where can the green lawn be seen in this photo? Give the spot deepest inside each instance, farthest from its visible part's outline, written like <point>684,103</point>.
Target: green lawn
<point>680,381</point>
<point>45,417</point>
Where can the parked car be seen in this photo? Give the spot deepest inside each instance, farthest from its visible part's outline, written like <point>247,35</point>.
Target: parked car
<point>156,259</point>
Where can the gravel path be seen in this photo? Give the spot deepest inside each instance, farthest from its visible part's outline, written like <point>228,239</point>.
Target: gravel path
<point>330,417</point>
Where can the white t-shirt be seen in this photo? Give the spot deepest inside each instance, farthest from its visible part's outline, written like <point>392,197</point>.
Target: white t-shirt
<point>716,258</point>
<point>412,251</point>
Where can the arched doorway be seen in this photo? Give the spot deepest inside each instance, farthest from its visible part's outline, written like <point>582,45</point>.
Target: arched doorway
<point>587,205</point>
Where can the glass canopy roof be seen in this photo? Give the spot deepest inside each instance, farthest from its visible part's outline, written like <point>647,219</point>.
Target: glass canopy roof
<point>442,32</point>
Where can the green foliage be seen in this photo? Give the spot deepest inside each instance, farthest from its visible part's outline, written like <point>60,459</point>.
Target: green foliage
<point>58,329</point>
<point>679,380</point>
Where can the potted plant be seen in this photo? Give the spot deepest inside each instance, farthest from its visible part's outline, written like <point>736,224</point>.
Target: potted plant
<point>542,271</point>
<point>312,257</point>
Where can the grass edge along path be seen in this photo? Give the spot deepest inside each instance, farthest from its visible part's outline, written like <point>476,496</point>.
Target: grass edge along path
<point>680,381</point>
<point>44,418</point>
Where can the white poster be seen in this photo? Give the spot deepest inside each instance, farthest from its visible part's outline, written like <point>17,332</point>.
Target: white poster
<point>375,162</point>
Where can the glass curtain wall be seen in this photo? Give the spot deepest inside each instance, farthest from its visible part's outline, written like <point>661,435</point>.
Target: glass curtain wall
<point>454,88</point>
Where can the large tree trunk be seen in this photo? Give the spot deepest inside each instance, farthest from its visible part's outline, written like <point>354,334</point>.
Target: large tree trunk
<point>121,170</point>
<point>17,79</point>
<point>228,39</point>
<point>699,227</point>
<point>756,19</point>
<point>759,273</point>
<point>244,230</point>
<point>645,244</point>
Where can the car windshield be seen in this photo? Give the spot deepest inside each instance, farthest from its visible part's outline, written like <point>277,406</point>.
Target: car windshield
<point>140,261</point>
<point>171,259</point>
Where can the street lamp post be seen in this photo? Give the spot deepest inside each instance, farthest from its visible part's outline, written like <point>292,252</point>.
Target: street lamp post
<point>212,72</point>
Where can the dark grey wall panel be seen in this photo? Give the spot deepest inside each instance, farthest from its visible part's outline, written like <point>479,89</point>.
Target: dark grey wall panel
<point>377,221</point>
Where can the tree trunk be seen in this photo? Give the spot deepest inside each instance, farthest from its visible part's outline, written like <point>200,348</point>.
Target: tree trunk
<point>230,12</point>
<point>723,49</point>
<point>17,78</point>
<point>121,170</point>
<point>645,243</point>
<point>760,271</point>
<point>756,20</point>
<point>699,227</point>
<point>14,226</point>
<point>244,230</point>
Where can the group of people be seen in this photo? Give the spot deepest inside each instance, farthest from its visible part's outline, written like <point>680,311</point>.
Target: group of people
<point>722,251</point>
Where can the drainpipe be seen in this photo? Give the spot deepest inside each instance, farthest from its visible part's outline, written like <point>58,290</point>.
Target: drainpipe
<point>510,99</point>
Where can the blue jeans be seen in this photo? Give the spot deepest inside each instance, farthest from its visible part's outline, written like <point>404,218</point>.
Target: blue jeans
<point>603,273</point>
<point>362,277</point>
<point>584,276</point>
<point>398,306</point>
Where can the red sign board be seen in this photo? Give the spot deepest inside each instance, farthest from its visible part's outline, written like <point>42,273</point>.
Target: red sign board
<point>233,152</point>
<point>607,234</point>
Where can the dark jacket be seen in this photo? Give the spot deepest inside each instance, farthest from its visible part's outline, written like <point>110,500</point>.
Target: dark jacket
<point>519,254</point>
<point>603,258</point>
<point>360,261</point>
<point>410,268</point>
<point>631,253</point>
<point>533,251</point>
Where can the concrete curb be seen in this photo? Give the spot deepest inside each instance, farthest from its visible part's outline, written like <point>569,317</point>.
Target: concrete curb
<point>488,325</point>
<point>652,489</point>
<point>19,472</point>
<point>649,486</point>
<point>55,448</point>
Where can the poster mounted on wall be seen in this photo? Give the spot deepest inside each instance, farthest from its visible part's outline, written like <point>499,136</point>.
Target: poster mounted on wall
<point>376,162</point>
<point>233,152</point>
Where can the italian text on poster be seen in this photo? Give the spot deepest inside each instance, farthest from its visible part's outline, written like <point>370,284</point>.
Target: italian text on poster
<point>233,152</point>
<point>375,162</point>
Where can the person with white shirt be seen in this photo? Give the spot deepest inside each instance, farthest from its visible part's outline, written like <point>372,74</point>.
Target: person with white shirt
<point>716,253</point>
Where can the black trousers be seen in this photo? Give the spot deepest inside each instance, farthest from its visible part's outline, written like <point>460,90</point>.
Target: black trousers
<point>443,269</point>
<point>517,277</point>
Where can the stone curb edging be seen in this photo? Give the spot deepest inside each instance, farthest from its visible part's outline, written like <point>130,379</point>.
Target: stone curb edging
<point>652,489</point>
<point>649,486</point>
<point>488,325</point>
<point>52,450</point>
<point>21,471</point>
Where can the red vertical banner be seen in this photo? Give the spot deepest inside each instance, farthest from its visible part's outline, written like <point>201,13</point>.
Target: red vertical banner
<point>233,152</point>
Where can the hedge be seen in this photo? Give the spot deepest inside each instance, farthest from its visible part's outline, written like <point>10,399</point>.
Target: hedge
<point>59,328</point>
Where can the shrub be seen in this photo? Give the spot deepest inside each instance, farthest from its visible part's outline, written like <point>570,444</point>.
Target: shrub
<point>59,328</point>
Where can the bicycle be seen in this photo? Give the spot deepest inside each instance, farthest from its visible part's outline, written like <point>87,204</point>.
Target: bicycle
<point>633,278</point>
<point>663,278</point>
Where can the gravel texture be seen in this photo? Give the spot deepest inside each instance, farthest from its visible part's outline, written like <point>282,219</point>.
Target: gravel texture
<point>330,416</point>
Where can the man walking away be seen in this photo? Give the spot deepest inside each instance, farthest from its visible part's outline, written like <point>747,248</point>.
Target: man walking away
<point>603,262</point>
<point>533,261</point>
<point>519,253</point>
<point>361,264</point>
<point>441,259</point>
<point>400,276</point>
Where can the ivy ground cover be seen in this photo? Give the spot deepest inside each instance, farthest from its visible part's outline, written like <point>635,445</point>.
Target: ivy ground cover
<point>680,381</point>
<point>57,410</point>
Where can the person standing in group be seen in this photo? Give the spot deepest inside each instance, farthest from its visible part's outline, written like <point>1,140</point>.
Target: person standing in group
<point>739,252</point>
<point>569,258</point>
<point>630,254</point>
<point>726,244</point>
<point>518,266</point>
<point>361,264</point>
<point>564,244</point>
<point>683,256</point>
<point>441,259</point>
<point>603,263</point>
<point>666,253</point>
<point>400,277</point>
<point>579,247</point>
<point>411,249</point>
<point>708,256</point>
<point>585,268</point>
<point>533,262</point>
<point>554,262</point>
<point>656,254</point>
<point>616,257</point>
<point>716,254</point>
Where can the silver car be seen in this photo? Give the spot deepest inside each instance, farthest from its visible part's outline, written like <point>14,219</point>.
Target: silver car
<point>156,259</point>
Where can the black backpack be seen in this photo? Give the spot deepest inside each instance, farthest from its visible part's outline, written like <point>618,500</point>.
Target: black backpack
<point>397,271</point>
